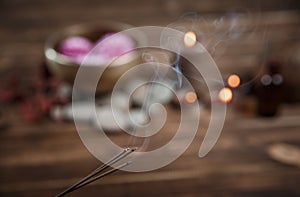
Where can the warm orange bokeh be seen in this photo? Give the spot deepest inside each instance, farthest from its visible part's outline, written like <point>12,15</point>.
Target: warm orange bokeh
<point>225,95</point>
<point>233,80</point>
<point>190,39</point>
<point>190,97</point>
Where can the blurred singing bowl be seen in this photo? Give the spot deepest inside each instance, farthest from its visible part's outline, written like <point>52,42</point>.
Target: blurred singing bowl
<point>66,69</point>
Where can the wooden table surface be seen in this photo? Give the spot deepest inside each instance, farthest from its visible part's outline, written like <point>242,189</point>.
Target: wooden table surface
<point>42,159</point>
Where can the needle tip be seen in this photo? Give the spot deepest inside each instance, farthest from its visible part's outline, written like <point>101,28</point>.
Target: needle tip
<point>127,149</point>
<point>134,149</point>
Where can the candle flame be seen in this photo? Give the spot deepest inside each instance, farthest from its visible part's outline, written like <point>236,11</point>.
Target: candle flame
<point>190,39</point>
<point>225,95</point>
<point>234,81</point>
<point>190,97</point>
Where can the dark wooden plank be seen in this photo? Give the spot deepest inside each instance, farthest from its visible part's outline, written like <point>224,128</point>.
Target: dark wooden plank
<point>44,158</point>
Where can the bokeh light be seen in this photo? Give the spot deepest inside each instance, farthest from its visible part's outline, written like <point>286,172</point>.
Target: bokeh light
<point>225,95</point>
<point>234,81</point>
<point>190,39</point>
<point>190,97</point>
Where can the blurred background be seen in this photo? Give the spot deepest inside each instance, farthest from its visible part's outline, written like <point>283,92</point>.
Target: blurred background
<point>258,153</point>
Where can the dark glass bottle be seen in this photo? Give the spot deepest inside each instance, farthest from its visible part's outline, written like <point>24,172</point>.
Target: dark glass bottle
<point>269,89</point>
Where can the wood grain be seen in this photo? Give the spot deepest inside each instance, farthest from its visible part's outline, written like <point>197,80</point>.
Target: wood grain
<point>43,159</point>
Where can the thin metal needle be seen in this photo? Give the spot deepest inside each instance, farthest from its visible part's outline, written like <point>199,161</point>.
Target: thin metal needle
<point>115,159</point>
<point>102,175</point>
